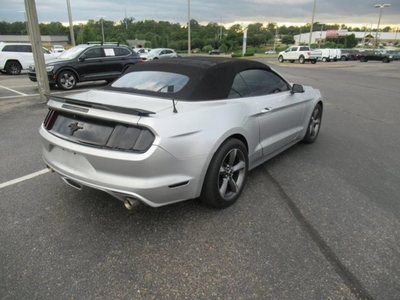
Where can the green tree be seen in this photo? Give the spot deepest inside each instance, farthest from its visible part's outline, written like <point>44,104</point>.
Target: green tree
<point>288,39</point>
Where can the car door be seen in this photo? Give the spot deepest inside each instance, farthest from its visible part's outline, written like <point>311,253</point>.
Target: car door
<point>114,61</point>
<point>292,53</point>
<point>90,66</point>
<point>279,112</point>
<point>26,55</point>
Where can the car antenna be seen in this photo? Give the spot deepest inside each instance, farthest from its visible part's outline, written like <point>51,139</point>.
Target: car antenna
<point>173,103</point>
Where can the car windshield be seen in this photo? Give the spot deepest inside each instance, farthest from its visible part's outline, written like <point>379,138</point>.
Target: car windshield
<point>71,53</point>
<point>154,81</point>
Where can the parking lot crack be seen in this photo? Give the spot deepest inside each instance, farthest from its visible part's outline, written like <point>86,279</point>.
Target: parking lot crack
<point>349,279</point>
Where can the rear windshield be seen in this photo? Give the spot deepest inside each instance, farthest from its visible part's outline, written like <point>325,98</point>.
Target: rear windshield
<point>152,81</point>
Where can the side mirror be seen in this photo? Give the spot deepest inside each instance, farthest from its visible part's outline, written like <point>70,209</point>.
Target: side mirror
<point>297,88</point>
<point>82,57</point>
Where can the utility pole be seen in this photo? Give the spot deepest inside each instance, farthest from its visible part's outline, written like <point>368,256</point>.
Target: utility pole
<point>320,35</point>
<point>312,23</point>
<point>189,42</point>
<point>37,49</point>
<point>71,26</point>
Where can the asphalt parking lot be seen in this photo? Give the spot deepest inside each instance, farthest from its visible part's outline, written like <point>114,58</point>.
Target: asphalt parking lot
<point>318,221</point>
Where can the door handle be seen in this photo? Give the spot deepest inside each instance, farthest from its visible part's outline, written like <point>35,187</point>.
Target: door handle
<point>266,110</point>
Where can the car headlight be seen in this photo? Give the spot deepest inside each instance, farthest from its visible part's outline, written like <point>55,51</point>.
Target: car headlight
<point>49,68</point>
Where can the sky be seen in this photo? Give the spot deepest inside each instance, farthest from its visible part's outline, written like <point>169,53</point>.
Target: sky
<point>228,12</point>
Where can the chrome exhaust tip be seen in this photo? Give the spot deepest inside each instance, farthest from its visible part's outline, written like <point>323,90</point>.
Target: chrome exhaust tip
<point>131,203</point>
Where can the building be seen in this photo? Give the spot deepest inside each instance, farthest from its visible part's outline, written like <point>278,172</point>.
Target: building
<point>363,37</point>
<point>47,40</point>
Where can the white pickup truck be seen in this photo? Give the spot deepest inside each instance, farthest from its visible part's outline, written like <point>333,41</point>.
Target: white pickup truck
<point>300,53</point>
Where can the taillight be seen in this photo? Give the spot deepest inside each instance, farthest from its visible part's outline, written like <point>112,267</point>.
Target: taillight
<point>130,138</point>
<point>49,120</point>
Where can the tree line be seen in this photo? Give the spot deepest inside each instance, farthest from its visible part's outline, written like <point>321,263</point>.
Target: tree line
<point>174,35</point>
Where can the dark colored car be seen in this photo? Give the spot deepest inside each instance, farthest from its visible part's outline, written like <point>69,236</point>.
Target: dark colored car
<point>214,51</point>
<point>348,54</point>
<point>395,54</point>
<point>375,55</point>
<point>88,62</point>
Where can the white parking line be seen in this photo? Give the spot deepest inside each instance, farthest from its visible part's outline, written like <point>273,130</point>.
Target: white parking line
<point>7,97</point>
<point>53,93</point>
<point>11,90</point>
<point>23,178</point>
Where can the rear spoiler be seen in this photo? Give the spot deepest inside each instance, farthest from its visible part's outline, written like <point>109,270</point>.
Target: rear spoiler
<point>84,105</point>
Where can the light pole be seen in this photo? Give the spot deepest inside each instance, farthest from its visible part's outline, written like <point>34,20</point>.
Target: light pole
<point>26,23</point>
<point>102,28</point>
<point>71,26</point>
<point>380,6</point>
<point>312,23</point>
<point>320,35</point>
<point>189,43</point>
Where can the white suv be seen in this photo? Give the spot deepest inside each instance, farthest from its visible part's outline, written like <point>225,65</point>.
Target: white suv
<point>15,57</point>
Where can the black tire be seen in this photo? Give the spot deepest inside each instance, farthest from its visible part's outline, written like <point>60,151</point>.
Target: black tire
<point>314,125</point>
<point>363,59</point>
<point>314,61</point>
<point>226,175</point>
<point>385,60</point>
<point>66,80</point>
<point>343,58</point>
<point>280,59</point>
<point>13,67</point>
<point>292,61</point>
<point>302,59</point>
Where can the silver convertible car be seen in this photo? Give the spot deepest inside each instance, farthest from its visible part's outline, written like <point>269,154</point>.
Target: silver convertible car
<point>171,130</point>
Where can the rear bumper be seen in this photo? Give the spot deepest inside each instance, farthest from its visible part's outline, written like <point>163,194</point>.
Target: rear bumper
<point>155,178</point>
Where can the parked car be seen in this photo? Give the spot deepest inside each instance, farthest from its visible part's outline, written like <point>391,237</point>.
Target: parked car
<point>327,54</point>
<point>376,55</point>
<point>349,54</point>
<point>15,57</point>
<point>161,53</point>
<point>57,49</point>
<point>214,51</point>
<point>395,54</point>
<point>88,62</point>
<point>143,52</point>
<point>171,130</point>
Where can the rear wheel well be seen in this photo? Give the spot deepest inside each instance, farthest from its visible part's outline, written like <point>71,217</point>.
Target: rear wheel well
<point>16,63</point>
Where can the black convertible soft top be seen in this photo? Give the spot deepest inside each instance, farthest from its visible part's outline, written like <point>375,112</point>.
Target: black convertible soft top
<point>209,78</point>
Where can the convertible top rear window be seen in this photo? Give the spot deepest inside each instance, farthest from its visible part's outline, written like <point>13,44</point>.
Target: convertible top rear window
<point>187,79</point>
<point>153,81</point>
